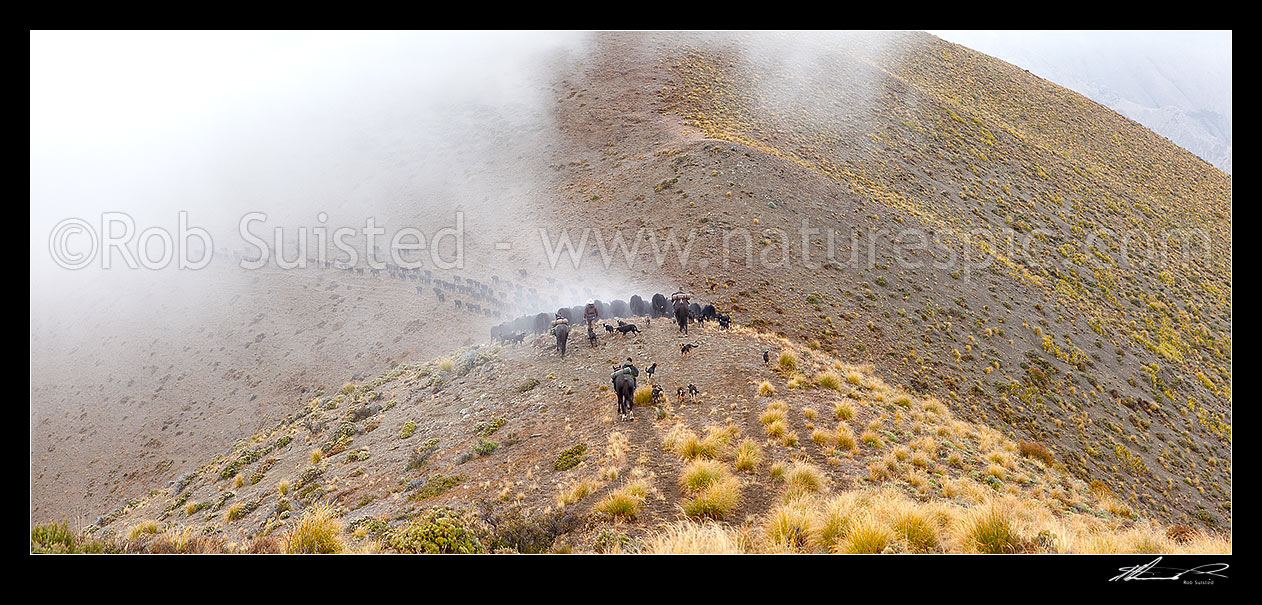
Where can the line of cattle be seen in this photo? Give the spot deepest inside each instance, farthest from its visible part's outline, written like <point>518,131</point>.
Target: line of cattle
<point>659,305</point>
<point>495,299</point>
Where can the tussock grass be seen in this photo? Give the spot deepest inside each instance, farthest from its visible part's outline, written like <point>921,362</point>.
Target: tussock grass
<point>319,531</point>
<point>624,502</point>
<point>921,460</point>
<point>831,521</point>
<point>1035,450</point>
<point>766,389</point>
<point>771,415</point>
<point>617,447</point>
<point>990,528</point>
<point>843,410</point>
<point>699,474</point>
<point>148,526</point>
<point>788,362</point>
<point>713,491</point>
<point>687,445</point>
<point>829,380</point>
<point>643,396</point>
<point>914,527</point>
<point>690,537</point>
<point>887,520</point>
<point>577,490</point>
<point>867,535</point>
<point>748,455</point>
<point>788,528</point>
<point>803,478</point>
<point>845,437</point>
<point>716,501</point>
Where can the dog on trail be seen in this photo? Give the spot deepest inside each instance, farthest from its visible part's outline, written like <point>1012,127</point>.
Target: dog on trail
<point>679,393</point>
<point>649,371</point>
<point>628,328</point>
<point>693,392</point>
<point>591,336</point>
<point>659,394</point>
<point>766,357</point>
<point>608,328</point>
<point>687,348</point>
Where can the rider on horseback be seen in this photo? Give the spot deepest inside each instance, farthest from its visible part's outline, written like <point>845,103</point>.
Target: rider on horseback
<point>558,320</point>
<point>625,368</point>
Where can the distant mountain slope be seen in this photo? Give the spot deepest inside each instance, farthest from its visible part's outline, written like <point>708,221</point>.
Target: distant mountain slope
<point>1172,82</point>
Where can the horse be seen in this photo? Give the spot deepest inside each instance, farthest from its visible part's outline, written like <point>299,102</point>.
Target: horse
<point>624,386</point>
<point>681,316</point>
<point>563,335</point>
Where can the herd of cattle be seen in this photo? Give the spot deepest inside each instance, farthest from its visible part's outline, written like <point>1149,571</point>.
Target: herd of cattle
<point>498,298</point>
<point>658,305</point>
<point>501,297</point>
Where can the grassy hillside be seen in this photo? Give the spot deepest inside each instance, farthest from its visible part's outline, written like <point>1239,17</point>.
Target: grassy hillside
<point>514,449</point>
<point>1073,284</point>
<point>1050,372</point>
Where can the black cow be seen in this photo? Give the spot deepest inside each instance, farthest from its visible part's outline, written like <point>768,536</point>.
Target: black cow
<point>619,308</point>
<point>659,306</point>
<point>542,323</point>
<point>638,306</point>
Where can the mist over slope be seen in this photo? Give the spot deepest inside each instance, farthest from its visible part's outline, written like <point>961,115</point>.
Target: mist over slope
<point>888,199</point>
